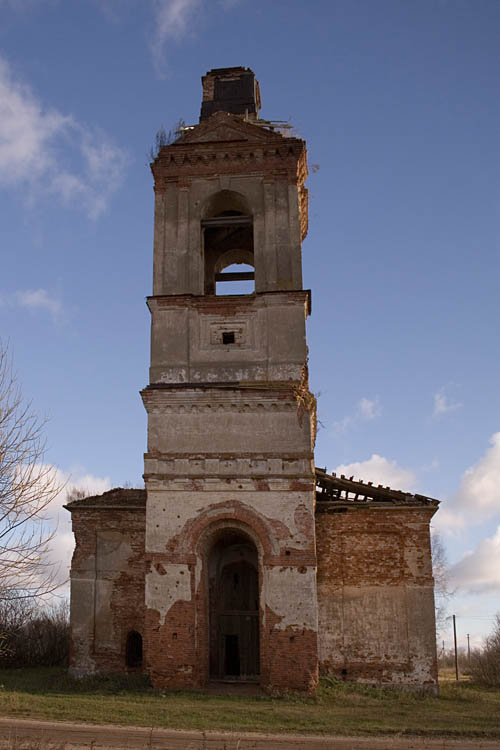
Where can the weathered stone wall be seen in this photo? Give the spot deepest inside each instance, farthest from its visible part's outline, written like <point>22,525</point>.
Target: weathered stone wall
<point>107,585</point>
<point>376,595</point>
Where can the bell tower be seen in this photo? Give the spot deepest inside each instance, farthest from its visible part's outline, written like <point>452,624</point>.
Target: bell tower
<point>229,473</point>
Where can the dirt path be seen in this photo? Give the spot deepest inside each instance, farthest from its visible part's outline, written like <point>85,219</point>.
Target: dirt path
<point>17,734</point>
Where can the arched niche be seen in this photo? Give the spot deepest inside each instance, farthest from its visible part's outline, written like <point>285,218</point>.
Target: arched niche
<point>133,650</point>
<point>227,229</point>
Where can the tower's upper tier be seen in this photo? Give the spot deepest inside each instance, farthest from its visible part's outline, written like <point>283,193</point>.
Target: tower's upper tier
<point>233,90</point>
<point>229,190</point>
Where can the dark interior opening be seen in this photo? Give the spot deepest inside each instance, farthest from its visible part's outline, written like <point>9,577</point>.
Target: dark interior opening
<point>234,607</point>
<point>228,337</point>
<point>231,656</point>
<point>227,230</point>
<point>133,649</point>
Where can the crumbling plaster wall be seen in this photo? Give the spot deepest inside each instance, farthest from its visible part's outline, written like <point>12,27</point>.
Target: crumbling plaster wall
<point>107,587</point>
<point>376,595</point>
<point>212,461</point>
<point>280,521</point>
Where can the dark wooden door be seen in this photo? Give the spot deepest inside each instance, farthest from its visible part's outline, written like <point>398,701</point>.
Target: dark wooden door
<point>238,621</point>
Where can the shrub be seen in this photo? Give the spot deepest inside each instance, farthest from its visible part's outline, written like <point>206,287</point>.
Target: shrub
<point>485,662</point>
<point>32,637</point>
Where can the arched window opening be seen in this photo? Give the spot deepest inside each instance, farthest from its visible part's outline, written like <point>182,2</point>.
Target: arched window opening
<point>227,240</point>
<point>237,278</point>
<point>133,650</point>
<point>234,607</point>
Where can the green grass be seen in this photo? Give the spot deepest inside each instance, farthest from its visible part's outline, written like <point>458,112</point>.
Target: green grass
<point>462,709</point>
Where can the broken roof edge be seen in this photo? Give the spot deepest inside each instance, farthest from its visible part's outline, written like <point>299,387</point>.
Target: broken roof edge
<point>116,498</point>
<point>347,491</point>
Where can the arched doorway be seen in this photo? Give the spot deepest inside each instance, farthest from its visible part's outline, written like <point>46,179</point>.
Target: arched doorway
<point>233,607</point>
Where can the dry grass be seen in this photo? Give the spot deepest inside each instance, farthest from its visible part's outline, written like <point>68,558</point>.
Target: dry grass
<point>461,710</point>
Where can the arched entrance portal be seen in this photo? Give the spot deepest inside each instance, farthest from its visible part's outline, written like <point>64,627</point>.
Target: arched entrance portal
<point>233,607</point>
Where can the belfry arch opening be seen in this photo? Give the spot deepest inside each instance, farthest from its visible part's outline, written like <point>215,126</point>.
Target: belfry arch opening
<point>233,607</point>
<point>227,231</point>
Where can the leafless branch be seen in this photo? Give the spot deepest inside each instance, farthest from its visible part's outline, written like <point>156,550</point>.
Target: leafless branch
<point>27,487</point>
<point>442,590</point>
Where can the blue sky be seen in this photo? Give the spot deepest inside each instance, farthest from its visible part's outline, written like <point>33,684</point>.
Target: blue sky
<point>398,102</point>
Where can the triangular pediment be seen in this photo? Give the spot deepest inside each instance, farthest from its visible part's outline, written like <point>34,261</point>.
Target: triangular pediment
<point>224,127</point>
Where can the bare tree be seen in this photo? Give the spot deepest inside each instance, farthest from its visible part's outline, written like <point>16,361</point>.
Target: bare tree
<point>27,487</point>
<point>162,138</point>
<point>440,570</point>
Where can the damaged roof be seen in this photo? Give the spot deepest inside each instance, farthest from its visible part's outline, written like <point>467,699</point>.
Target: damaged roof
<point>342,490</point>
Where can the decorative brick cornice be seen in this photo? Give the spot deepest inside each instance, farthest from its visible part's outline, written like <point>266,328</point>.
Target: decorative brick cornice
<point>226,144</point>
<point>233,304</point>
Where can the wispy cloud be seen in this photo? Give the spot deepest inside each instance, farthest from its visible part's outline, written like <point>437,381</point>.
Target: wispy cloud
<point>369,410</point>
<point>366,410</point>
<point>40,299</point>
<point>443,404</point>
<point>34,299</point>
<point>48,152</point>
<point>173,20</point>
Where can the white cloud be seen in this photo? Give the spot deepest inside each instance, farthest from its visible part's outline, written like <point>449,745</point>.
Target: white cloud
<point>443,404</point>
<point>34,299</point>
<point>173,19</point>
<point>39,299</point>
<point>366,410</point>
<point>479,571</point>
<point>478,497</point>
<point>380,470</point>
<point>59,520</point>
<point>480,487</point>
<point>48,152</point>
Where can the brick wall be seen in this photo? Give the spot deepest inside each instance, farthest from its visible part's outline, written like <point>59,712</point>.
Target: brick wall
<point>107,585</point>
<point>375,595</point>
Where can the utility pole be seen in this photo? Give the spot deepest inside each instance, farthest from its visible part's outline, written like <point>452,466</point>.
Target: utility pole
<point>468,650</point>
<point>455,642</point>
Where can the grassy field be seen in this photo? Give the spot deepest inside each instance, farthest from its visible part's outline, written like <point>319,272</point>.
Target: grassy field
<point>462,709</point>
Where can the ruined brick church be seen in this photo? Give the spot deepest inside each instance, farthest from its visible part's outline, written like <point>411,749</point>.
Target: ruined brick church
<point>240,560</point>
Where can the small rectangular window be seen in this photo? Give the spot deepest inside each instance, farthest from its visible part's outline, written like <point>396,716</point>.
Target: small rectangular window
<point>228,337</point>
